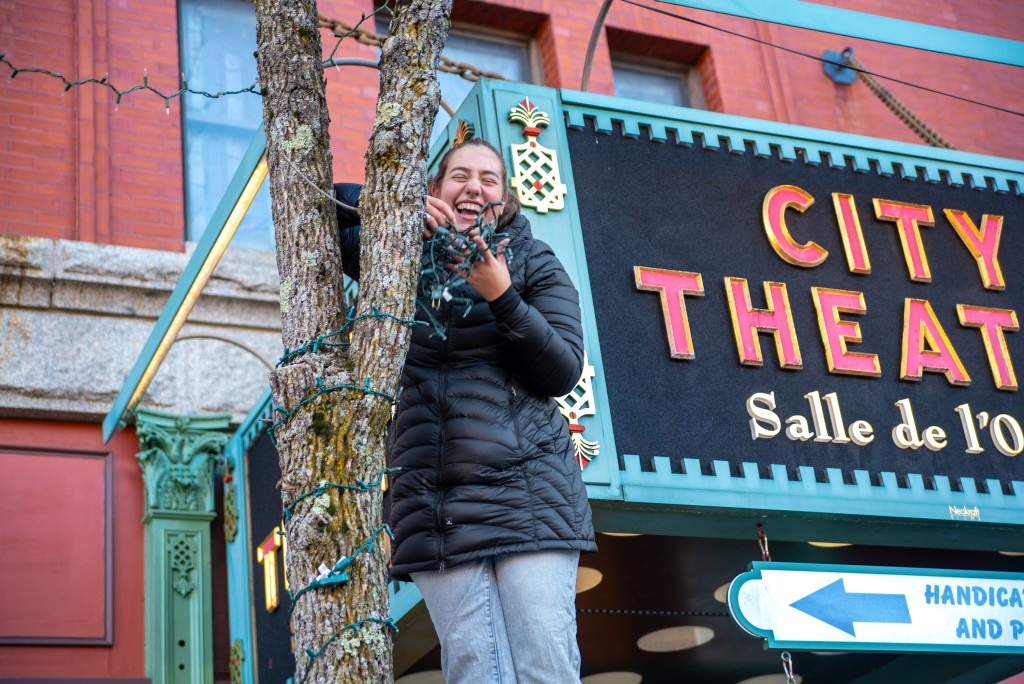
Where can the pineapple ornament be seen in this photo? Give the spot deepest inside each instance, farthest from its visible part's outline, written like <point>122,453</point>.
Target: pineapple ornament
<point>537,181</point>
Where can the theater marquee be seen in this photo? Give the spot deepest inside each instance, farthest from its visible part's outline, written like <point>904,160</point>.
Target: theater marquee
<point>787,312</point>
<point>765,302</point>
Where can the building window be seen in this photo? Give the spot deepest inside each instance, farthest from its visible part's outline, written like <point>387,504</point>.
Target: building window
<point>657,82</point>
<point>506,57</point>
<point>218,39</point>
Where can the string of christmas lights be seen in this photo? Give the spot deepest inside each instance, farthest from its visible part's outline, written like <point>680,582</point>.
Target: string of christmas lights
<point>359,486</point>
<point>314,345</point>
<point>119,93</point>
<point>183,83</point>
<point>322,389</point>
<point>336,575</point>
<point>349,645</point>
<point>443,273</point>
<point>441,276</point>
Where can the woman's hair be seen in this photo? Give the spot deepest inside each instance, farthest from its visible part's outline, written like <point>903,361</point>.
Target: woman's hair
<point>511,201</point>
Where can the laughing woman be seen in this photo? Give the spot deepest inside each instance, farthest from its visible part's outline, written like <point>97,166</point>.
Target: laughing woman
<point>488,506</point>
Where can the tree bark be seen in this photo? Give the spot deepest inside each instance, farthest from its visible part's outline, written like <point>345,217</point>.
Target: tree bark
<point>338,436</point>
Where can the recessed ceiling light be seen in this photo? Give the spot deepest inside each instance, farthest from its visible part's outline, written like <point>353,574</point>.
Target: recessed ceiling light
<point>829,545</point>
<point>675,639</point>
<point>429,677</point>
<point>767,679</point>
<point>587,578</point>
<point>614,678</point>
<point>622,534</point>
<point>1012,553</point>
<point>722,593</point>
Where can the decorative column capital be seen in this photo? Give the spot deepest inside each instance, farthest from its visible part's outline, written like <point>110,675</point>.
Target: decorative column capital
<point>178,458</point>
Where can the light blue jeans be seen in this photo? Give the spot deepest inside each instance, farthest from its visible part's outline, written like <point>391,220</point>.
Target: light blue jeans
<point>506,620</point>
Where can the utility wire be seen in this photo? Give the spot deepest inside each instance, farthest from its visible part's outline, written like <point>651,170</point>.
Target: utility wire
<point>820,59</point>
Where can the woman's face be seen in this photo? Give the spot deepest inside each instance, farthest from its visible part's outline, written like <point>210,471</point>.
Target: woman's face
<point>472,180</point>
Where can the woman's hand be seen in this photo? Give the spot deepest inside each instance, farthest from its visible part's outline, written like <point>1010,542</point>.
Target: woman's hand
<point>489,276</point>
<point>438,214</point>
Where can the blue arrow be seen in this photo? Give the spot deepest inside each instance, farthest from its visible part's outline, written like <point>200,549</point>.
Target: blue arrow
<point>833,605</point>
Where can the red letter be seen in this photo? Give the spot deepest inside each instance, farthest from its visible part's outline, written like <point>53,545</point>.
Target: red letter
<point>836,333</point>
<point>984,244</point>
<point>992,323</point>
<point>672,286</point>
<point>776,319</point>
<point>850,230</point>
<point>773,213</point>
<point>908,219</point>
<point>926,346</point>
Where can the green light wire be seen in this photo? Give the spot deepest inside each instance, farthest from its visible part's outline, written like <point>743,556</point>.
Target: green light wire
<point>359,486</point>
<point>340,566</point>
<point>438,283</point>
<point>313,655</point>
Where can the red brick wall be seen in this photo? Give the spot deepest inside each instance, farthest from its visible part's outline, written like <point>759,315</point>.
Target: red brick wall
<point>73,167</point>
<point>37,126</point>
<point>125,658</point>
<point>147,199</point>
<point>763,82</point>
<point>745,78</point>
<point>351,91</point>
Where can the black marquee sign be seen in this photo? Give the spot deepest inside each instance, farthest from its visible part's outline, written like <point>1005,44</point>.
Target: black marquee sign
<point>752,309</point>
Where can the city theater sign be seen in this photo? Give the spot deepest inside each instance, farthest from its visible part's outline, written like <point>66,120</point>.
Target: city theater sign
<point>924,344</point>
<point>779,310</point>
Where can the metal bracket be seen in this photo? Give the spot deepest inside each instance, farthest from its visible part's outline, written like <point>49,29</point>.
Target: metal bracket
<point>835,67</point>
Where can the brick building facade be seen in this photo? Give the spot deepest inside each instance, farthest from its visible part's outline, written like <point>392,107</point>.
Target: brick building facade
<point>94,231</point>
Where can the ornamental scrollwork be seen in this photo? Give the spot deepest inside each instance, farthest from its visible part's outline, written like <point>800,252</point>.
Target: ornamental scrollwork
<point>178,459</point>
<point>183,565</point>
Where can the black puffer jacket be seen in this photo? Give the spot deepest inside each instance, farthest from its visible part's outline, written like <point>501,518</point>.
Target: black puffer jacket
<point>487,466</point>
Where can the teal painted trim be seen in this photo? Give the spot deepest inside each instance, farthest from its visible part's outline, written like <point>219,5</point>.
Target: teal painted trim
<point>833,498</point>
<point>178,601</point>
<point>758,566</point>
<point>253,425</point>
<point>239,553</point>
<point>403,597</point>
<point>120,411</point>
<point>486,108</point>
<point>561,229</point>
<point>793,143</point>
<point>815,17</point>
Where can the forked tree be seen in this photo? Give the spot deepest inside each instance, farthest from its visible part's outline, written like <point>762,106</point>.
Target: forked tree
<point>333,444</point>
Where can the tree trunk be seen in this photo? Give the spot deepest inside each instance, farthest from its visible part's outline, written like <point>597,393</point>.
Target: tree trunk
<point>338,436</point>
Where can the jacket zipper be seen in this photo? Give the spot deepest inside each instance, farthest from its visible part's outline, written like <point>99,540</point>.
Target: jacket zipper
<point>442,398</point>
<point>515,416</point>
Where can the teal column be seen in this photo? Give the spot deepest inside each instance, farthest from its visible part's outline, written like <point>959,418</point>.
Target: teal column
<point>178,459</point>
